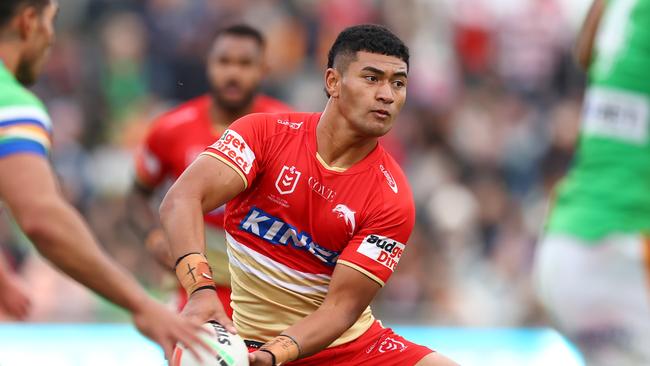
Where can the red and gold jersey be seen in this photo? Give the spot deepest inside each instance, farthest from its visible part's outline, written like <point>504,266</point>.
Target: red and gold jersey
<point>298,218</point>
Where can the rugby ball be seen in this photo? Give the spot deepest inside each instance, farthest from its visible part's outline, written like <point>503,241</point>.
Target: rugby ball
<point>230,349</point>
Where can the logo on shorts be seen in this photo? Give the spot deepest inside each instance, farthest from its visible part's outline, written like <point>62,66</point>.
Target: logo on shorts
<point>389,178</point>
<point>390,344</point>
<point>287,180</point>
<point>343,212</point>
<point>234,147</point>
<point>382,249</point>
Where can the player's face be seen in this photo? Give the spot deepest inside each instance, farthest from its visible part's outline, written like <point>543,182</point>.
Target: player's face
<point>372,91</point>
<point>38,41</point>
<point>235,71</point>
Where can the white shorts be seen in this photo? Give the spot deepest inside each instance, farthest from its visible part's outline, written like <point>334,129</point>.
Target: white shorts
<point>598,294</point>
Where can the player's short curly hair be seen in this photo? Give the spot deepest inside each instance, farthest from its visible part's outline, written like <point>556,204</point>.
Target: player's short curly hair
<point>9,8</point>
<point>365,37</point>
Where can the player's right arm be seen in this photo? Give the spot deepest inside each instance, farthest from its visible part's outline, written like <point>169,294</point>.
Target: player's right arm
<point>206,184</point>
<point>585,43</point>
<point>28,187</point>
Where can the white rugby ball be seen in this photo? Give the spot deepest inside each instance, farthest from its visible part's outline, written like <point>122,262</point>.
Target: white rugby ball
<point>230,349</point>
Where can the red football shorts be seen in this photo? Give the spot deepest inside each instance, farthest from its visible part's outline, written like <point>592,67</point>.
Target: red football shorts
<point>377,346</point>
<point>223,293</point>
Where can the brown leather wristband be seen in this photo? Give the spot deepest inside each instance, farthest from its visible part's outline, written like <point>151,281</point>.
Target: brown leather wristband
<point>283,347</point>
<point>194,272</point>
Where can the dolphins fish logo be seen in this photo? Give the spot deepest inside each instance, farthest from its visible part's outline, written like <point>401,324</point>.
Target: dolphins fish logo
<point>343,212</point>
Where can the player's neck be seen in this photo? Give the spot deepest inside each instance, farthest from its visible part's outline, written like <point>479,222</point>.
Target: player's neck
<point>221,118</point>
<point>9,56</point>
<point>338,145</point>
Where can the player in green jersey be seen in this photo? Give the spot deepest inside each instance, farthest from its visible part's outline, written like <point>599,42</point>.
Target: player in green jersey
<point>28,185</point>
<point>592,264</point>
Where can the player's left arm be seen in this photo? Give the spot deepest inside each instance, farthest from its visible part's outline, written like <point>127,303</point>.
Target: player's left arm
<point>350,293</point>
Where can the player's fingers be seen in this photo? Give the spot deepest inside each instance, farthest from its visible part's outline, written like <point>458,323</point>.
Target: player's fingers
<point>18,311</point>
<point>189,336</point>
<point>223,319</point>
<point>197,327</point>
<point>26,307</point>
<point>168,348</point>
<point>28,304</point>
<point>192,347</point>
<point>23,311</point>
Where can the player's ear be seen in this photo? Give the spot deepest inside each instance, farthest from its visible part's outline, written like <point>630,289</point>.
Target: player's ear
<point>332,82</point>
<point>27,22</point>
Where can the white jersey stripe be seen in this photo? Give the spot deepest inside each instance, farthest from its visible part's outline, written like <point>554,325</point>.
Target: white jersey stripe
<point>274,265</point>
<point>27,112</point>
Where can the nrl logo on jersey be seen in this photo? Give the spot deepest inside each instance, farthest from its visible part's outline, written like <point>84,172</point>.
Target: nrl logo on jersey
<point>287,180</point>
<point>343,212</point>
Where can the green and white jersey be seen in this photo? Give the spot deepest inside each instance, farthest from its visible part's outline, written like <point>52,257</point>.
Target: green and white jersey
<point>608,188</point>
<point>25,126</point>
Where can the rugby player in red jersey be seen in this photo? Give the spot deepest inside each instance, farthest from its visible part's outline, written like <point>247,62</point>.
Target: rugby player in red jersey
<point>317,218</point>
<point>235,68</point>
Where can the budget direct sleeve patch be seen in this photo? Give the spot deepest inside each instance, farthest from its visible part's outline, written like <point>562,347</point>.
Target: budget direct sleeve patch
<point>382,249</point>
<point>232,145</point>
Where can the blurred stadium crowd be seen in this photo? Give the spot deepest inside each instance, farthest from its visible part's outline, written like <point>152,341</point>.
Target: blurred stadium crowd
<point>489,126</point>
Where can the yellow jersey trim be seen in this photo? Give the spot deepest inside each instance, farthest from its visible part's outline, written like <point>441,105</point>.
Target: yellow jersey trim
<point>225,161</point>
<point>362,270</point>
<point>327,166</point>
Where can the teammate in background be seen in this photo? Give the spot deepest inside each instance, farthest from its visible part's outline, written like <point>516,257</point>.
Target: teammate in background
<point>316,220</point>
<point>29,188</point>
<point>235,68</point>
<point>593,264</point>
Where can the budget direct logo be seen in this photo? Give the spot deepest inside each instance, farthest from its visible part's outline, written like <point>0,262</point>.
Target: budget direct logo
<point>382,249</point>
<point>233,146</point>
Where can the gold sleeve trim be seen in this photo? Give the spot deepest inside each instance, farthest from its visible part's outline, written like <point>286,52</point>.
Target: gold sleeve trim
<point>223,160</point>
<point>362,270</point>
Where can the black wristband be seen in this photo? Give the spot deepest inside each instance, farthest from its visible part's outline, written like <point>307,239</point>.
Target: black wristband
<point>204,288</point>
<point>272,355</point>
<point>183,256</point>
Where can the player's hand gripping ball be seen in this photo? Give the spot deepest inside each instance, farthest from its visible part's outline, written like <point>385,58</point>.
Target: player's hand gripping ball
<point>229,348</point>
